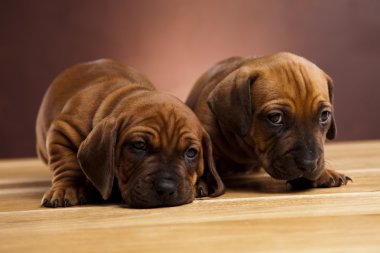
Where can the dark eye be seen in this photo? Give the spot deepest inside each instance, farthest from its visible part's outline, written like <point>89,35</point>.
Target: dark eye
<point>191,153</point>
<point>139,146</point>
<point>324,117</point>
<point>276,118</point>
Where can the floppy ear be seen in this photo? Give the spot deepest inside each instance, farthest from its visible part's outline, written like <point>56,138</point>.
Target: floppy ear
<point>96,156</point>
<point>214,184</point>
<point>230,101</point>
<point>331,133</point>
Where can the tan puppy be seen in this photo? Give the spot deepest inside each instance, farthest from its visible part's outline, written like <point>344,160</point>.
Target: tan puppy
<point>273,112</point>
<point>103,124</point>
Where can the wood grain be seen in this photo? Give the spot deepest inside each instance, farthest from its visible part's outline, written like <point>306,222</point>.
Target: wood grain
<point>257,214</point>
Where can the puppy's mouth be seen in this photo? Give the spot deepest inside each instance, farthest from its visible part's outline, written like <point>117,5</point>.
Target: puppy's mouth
<point>287,169</point>
<point>151,192</point>
<point>281,173</point>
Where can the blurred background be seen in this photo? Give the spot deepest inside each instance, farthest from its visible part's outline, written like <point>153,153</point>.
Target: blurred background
<point>174,41</point>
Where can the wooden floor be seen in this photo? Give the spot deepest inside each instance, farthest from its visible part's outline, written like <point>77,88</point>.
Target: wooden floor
<point>258,215</point>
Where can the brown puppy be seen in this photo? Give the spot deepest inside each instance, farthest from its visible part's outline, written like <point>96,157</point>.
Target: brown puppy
<point>273,112</point>
<point>101,122</point>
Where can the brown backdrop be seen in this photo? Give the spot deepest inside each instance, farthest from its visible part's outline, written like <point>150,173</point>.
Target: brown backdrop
<point>174,41</point>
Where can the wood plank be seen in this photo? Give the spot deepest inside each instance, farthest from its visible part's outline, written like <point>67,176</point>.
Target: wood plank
<point>256,214</point>
<point>304,216</point>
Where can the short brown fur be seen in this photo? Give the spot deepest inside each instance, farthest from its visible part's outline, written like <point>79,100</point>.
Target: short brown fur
<point>103,125</point>
<point>237,101</point>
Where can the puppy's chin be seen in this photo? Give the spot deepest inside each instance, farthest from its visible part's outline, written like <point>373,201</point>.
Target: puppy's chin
<point>144,204</point>
<point>286,169</point>
<point>314,175</point>
<point>144,195</point>
<point>153,202</point>
<point>281,173</point>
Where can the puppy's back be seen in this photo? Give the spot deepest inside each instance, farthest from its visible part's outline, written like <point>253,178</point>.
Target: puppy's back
<point>206,83</point>
<point>79,79</point>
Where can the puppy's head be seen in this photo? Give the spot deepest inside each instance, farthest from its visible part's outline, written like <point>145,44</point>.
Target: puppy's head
<point>281,106</point>
<point>158,153</point>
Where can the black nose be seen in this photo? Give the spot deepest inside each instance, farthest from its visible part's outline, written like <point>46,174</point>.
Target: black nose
<point>307,165</point>
<point>165,187</point>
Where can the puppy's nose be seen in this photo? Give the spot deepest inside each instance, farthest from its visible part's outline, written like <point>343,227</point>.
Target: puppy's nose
<point>166,187</point>
<point>307,165</point>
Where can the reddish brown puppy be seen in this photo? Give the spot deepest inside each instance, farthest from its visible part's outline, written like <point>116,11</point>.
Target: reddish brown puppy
<point>103,125</point>
<point>273,112</point>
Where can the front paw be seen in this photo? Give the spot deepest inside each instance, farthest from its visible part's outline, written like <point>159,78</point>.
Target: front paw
<point>201,189</point>
<point>64,196</point>
<point>329,178</point>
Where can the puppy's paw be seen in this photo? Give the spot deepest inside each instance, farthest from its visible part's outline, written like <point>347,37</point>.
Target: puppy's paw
<point>329,178</point>
<point>201,189</point>
<point>64,196</point>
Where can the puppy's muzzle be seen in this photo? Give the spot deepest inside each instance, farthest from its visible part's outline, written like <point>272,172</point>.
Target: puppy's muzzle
<point>161,188</point>
<point>296,164</point>
<point>166,187</point>
<point>308,161</point>
<point>306,165</point>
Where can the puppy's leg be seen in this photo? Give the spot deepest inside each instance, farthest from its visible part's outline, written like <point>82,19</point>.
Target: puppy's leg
<point>329,178</point>
<point>201,189</point>
<point>69,182</point>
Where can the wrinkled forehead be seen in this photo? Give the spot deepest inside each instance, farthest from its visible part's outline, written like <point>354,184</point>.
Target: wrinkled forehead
<point>293,83</point>
<point>166,125</point>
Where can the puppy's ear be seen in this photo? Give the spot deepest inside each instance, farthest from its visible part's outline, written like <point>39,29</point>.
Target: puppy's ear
<point>96,156</point>
<point>230,101</point>
<point>331,133</point>
<point>214,184</point>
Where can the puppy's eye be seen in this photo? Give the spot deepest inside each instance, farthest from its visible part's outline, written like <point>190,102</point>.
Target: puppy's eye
<point>276,118</point>
<point>324,117</point>
<point>139,146</point>
<point>191,153</point>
